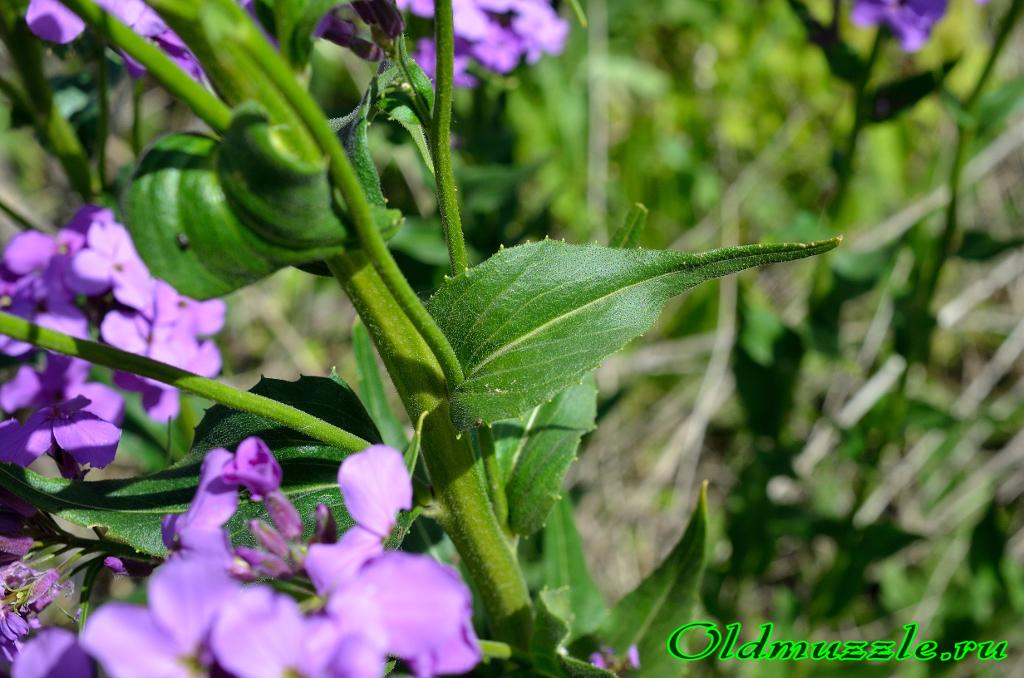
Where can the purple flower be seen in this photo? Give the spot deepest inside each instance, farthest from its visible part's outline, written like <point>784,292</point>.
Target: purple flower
<point>389,603</point>
<point>264,634</point>
<point>63,429</point>
<point>170,638</point>
<point>633,657</point>
<point>198,533</point>
<point>375,487</point>
<point>911,21</point>
<point>52,21</point>
<point>63,378</point>
<point>109,261</point>
<point>411,607</point>
<point>165,331</point>
<point>255,468</point>
<point>52,653</point>
<point>26,593</point>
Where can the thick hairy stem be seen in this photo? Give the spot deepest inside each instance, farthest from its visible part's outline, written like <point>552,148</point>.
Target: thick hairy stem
<point>108,356</point>
<point>440,136</point>
<point>456,474</point>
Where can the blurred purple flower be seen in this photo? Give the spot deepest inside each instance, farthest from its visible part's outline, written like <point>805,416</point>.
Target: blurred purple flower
<point>109,261</point>
<point>254,467</point>
<point>164,331</point>
<point>52,21</point>
<point>498,34</point>
<point>62,429</point>
<point>170,638</point>
<point>26,593</point>
<point>911,21</point>
<point>382,16</point>
<point>264,634</point>
<point>52,653</point>
<point>62,379</point>
<point>198,532</point>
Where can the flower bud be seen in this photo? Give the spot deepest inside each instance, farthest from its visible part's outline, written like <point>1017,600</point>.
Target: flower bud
<point>284,515</point>
<point>326,530</point>
<point>269,538</point>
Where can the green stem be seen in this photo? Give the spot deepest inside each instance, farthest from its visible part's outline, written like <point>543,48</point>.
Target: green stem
<point>965,134</point>
<point>203,103</point>
<point>103,122</point>
<point>440,136</point>
<point>422,105</point>
<point>85,598</point>
<point>26,55</point>
<point>845,170</point>
<point>16,216</point>
<point>456,474</point>
<point>345,179</point>
<point>494,485</point>
<point>243,401</point>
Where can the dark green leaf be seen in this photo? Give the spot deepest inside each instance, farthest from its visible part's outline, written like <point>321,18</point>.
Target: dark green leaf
<point>532,320</point>
<point>182,226</point>
<point>565,565</point>
<point>893,98</point>
<point>371,388</point>
<point>628,235</point>
<point>548,438</point>
<point>648,615</point>
<point>995,106</point>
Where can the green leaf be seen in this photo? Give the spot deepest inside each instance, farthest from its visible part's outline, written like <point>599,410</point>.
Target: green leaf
<point>996,106</point>
<point>628,235</point>
<point>893,98</point>
<point>553,618</point>
<point>532,320</point>
<point>181,224</point>
<point>545,447</point>
<point>371,388</point>
<point>565,565</point>
<point>647,616</point>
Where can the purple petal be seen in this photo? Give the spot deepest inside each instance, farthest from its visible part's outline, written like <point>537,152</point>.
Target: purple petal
<point>89,273</point>
<point>206,361</point>
<point>216,498</point>
<point>332,566</point>
<point>128,642</point>
<point>53,22</point>
<point>87,438</point>
<point>255,467</point>
<point>284,514</point>
<point>22,444</point>
<point>375,486</point>
<point>357,656</point>
<point>29,251</point>
<point>185,596</point>
<point>162,403</point>
<point>133,286</point>
<point>105,402</point>
<point>424,611</point>
<point>126,331</point>
<point>633,657</point>
<point>25,389</point>
<point>53,653</point>
<point>206,317</point>
<point>261,635</point>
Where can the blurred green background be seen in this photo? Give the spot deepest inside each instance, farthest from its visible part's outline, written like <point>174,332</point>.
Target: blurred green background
<point>864,448</point>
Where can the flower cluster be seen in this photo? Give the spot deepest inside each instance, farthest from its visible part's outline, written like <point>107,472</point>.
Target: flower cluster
<point>497,34</point>
<point>52,21</point>
<point>608,660</point>
<point>26,593</point>
<point>89,275</point>
<point>213,610</point>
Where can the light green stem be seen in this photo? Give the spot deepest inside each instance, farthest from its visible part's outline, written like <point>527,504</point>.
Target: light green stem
<point>457,475</point>
<point>243,401</point>
<point>440,136</point>
<point>203,103</point>
<point>495,486</point>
